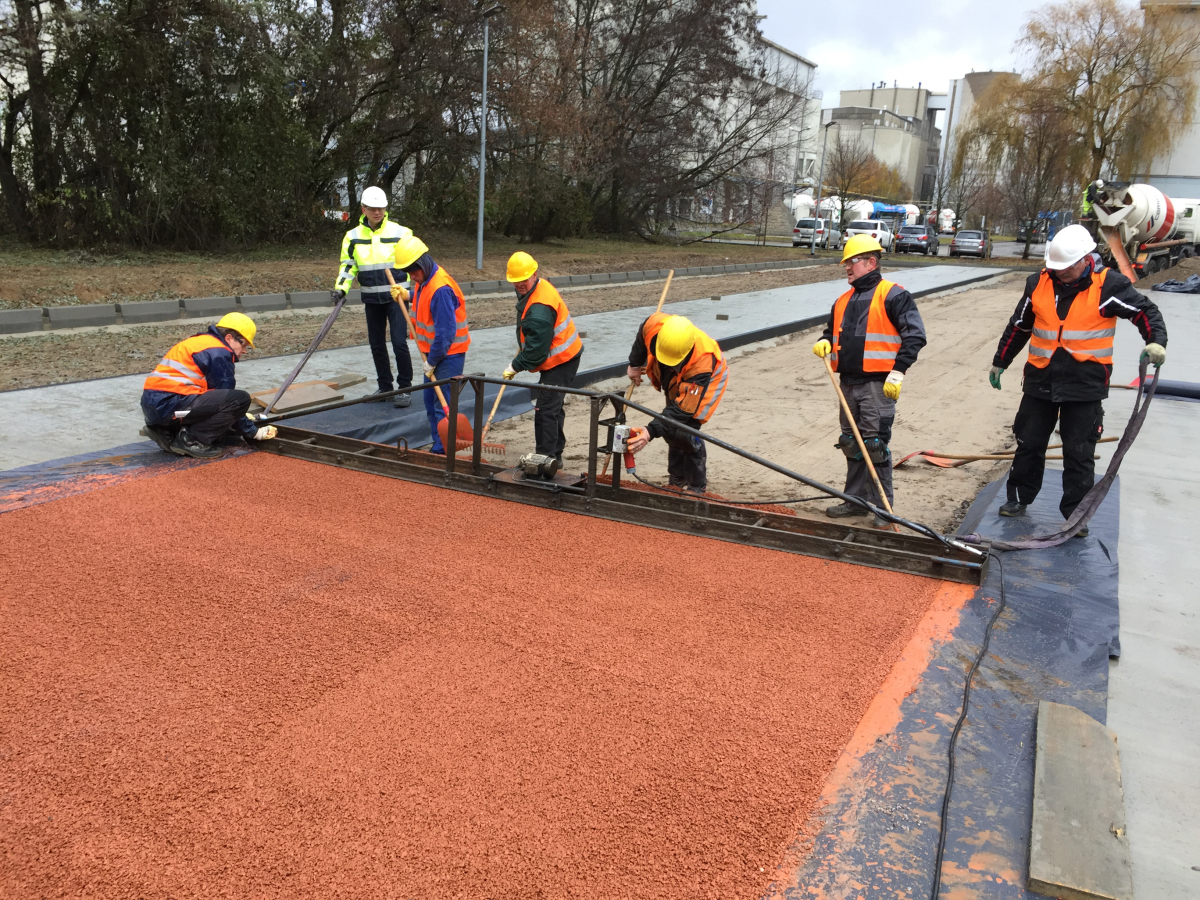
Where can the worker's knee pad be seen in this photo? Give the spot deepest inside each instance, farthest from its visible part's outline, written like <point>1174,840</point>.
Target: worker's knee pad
<point>877,449</point>
<point>849,446</point>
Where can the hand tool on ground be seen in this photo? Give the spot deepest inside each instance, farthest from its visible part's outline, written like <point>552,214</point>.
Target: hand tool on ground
<point>629,390</point>
<point>862,448</point>
<point>937,458</point>
<point>464,436</point>
<point>321,332</point>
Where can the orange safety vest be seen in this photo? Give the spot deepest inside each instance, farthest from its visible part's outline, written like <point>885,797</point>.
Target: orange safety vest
<point>177,372</point>
<point>1085,334</point>
<point>565,344</point>
<point>423,314</point>
<point>698,401</point>
<point>883,340</point>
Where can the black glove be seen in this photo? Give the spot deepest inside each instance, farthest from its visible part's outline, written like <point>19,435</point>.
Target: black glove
<point>338,296</point>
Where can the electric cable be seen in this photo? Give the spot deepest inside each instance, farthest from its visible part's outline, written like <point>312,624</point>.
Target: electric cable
<point>962,717</point>
<point>671,490</point>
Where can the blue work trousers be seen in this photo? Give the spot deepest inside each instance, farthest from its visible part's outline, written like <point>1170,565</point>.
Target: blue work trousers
<point>447,368</point>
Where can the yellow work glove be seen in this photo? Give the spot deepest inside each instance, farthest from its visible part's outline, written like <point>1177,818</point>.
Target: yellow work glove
<point>509,373</point>
<point>891,387</point>
<point>266,433</point>
<point>1156,353</point>
<point>822,348</point>
<point>399,294</point>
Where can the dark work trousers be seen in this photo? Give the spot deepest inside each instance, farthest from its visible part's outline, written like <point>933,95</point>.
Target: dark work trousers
<point>449,367</point>
<point>687,459</point>
<point>380,317</point>
<point>1080,425</point>
<point>874,414</point>
<point>211,415</point>
<point>549,415</point>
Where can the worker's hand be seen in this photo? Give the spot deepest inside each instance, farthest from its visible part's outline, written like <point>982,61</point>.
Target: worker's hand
<point>399,294</point>
<point>1156,353</point>
<point>822,348</point>
<point>638,438</point>
<point>509,373</point>
<point>338,295</point>
<point>635,374</point>
<point>891,387</point>
<point>430,372</point>
<point>266,433</point>
<point>994,376</point>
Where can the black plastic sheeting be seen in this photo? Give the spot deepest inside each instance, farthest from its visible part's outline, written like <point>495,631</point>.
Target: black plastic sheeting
<point>1190,285</point>
<point>1053,642</point>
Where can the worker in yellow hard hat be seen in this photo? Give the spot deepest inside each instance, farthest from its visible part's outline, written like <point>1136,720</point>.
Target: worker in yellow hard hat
<point>440,320</point>
<point>549,345</point>
<point>688,367</point>
<point>368,251</point>
<point>190,400</point>
<point>873,335</point>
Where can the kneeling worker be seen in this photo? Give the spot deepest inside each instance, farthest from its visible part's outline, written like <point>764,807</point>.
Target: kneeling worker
<point>549,344</point>
<point>190,400</point>
<point>1067,315</point>
<point>874,334</point>
<point>688,367</point>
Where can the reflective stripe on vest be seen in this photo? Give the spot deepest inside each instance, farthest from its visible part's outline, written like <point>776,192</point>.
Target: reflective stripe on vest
<point>368,252</point>
<point>423,314</point>
<point>882,338</point>
<point>706,356</point>
<point>1085,333</point>
<point>177,372</point>
<point>565,345</point>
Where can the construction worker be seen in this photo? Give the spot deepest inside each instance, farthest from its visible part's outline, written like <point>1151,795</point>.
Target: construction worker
<point>440,321</point>
<point>873,336</point>
<point>549,344</point>
<point>368,251</point>
<point>1066,315</point>
<point>688,367</point>
<point>190,400</point>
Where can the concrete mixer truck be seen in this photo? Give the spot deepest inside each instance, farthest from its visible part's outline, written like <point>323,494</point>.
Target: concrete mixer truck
<point>1145,230</point>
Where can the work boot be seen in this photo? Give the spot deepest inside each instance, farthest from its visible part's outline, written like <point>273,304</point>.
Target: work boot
<point>882,523</point>
<point>1082,532</point>
<point>1012,509</point>
<point>186,445</point>
<point>160,436</point>
<point>402,401</point>
<point>374,397</point>
<point>845,510</point>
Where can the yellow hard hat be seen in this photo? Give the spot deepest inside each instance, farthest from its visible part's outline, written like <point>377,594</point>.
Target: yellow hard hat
<point>675,340</point>
<point>409,249</point>
<point>860,244</point>
<point>520,266</point>
<point>241,323</point>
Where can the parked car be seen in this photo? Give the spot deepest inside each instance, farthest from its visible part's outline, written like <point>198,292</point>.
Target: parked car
<point>917,239</point>
<point>827,235</point>
<point>876,229</point>
<point>971,243</point>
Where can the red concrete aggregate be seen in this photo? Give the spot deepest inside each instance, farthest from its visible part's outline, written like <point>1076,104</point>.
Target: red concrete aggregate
<point>267,678</point>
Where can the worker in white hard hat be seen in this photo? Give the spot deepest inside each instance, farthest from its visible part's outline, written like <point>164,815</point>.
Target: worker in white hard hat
<point>190,401</point>
<point>368,251</point>
<point>1067,317</point>
<point>549,345</point>
<point>873,336</point>
<point>688,367</point>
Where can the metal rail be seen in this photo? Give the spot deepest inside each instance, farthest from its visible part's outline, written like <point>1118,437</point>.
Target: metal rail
<point>924,553</point>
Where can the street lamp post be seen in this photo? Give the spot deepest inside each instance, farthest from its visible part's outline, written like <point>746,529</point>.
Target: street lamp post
<point>487,14</point>
<point>812,247</point>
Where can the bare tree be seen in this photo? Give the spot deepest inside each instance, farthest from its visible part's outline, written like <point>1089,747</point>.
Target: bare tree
<point>848,170</point>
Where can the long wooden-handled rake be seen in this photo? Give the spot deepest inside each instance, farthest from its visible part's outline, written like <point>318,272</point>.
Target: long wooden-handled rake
<point>498,450</point>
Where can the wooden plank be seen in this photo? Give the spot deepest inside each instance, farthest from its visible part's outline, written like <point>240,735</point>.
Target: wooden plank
<point>298,396</point>
<point>1078,849</point>
<point>344,380</point>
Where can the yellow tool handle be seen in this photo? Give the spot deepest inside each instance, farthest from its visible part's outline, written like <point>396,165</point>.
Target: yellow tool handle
<point>492,414</point>
<point>413,334</point>
<point>862,448</point>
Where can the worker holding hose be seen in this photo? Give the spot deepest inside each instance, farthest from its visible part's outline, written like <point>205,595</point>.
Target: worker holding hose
<point>873,336</point>
<point>549,345</point>
<point>368,250</point>
<point>688,367</point>
<point>440,321</point>
<point>190,401</point>
<point>1067,315</point>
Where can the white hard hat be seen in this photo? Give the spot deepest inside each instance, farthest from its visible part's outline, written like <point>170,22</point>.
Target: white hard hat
<point>374,196</point>
<point>1069,246</point>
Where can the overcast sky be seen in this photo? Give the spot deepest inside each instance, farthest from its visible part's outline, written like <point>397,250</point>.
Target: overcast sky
<point>927,41</point>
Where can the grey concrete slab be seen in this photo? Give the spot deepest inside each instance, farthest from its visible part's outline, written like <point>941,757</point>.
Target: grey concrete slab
<point>263,302</point>
<point>20,321</point>
<point>1153,703</point>
<point>209,306</point>
<point>309,299</point>
<point>46,422</point>
<point>150,311</point>
<point>82,316</point>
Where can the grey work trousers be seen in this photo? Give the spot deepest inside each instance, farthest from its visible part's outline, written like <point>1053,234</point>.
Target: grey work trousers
<point>874,414</point>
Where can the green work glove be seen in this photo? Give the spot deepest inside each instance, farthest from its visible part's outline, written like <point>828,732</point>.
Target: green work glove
<point>994,376</point>
<point>1156,353</point>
